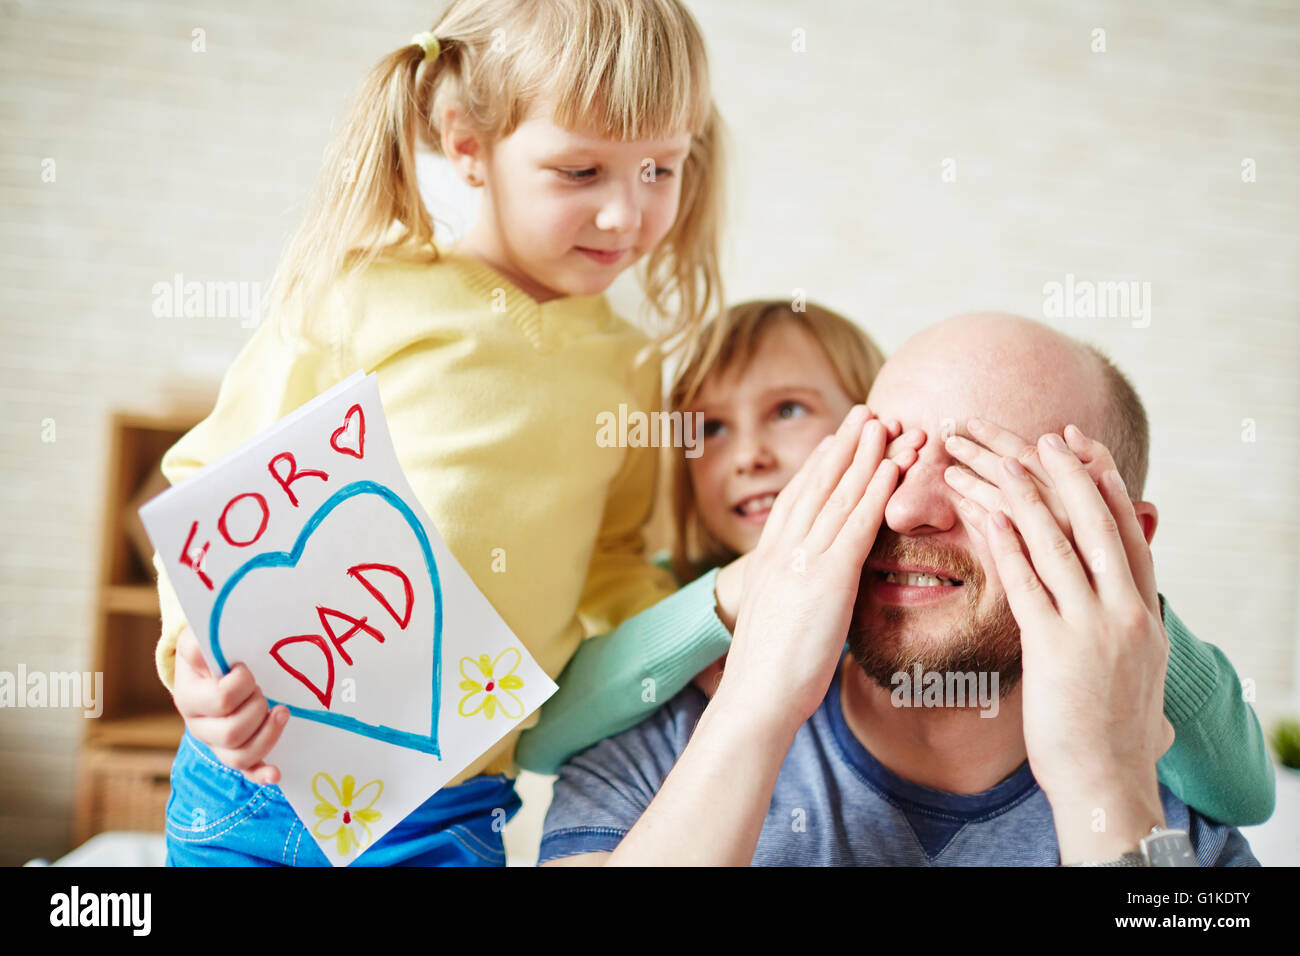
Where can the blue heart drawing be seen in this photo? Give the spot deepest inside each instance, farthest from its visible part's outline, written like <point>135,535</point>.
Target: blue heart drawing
<point>279,559</point>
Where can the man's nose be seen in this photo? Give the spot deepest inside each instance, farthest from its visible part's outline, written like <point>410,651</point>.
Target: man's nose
<point>922,503</point>
<point>620,211</point>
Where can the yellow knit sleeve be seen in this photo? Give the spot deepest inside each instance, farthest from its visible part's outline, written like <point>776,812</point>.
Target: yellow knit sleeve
<point>621,581</point>
<point>274,373</point>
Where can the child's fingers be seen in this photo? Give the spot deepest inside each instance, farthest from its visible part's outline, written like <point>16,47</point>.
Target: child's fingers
<point>893,427</point>
<point>904,459</point>
<point>208,696</point>
<point>191,693</point>
<point>848,492</point>
<point>263,773</point>
<point>234,730</point>
<point>188,650</point>
<point>249,757</point>
<point>903,447</point>
<point>268,735</point>
<point>236,687</point>
<point>227,694</point>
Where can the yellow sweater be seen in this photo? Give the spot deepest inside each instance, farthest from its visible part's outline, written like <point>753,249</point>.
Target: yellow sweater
<point>492,400</point>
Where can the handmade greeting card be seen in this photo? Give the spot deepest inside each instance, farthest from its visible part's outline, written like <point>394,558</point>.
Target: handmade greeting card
<point>304,554</point>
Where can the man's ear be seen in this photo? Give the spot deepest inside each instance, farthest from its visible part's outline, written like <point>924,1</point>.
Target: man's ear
<point>1148,517</point>
<point>462,147</point>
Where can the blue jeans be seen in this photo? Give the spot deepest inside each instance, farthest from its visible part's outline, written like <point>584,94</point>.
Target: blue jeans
<point>216,817</point>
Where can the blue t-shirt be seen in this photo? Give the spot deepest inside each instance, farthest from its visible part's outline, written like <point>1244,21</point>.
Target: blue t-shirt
<point>834,804</point>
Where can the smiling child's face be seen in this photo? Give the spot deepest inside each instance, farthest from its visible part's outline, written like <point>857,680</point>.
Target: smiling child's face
<point>760,423</point>
<point>556,199</point>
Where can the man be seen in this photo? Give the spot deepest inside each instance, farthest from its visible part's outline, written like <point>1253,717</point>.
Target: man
<point>804,755</point>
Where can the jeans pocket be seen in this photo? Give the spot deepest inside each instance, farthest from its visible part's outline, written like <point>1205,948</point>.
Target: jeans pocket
<point>208,799</point>
<point>479,829</point>
<point>481,842</point>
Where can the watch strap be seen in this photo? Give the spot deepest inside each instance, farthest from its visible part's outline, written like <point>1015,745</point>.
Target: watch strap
<point>1160,847</point>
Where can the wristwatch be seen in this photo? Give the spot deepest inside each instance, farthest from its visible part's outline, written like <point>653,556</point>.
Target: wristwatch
<point>1160,847</point>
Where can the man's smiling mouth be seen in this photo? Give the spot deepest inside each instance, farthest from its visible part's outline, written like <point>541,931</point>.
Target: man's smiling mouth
<point>909,575</point>
<point>913,586</point>
<point>917,580</point>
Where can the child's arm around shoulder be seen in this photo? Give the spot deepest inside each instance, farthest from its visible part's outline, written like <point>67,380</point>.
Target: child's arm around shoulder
<point>617,679</point>
<point>651,640</point>
<point>620,582</point>
<point>1218,763</point>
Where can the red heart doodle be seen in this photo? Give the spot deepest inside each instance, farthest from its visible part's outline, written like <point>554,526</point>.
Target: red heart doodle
<point>354,444</point>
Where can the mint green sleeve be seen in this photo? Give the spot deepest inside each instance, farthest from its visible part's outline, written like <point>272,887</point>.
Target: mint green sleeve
<point>618,679</point>
<point>1218,763</point>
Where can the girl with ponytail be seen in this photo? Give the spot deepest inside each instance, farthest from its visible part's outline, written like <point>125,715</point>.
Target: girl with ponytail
<point>590,127</point>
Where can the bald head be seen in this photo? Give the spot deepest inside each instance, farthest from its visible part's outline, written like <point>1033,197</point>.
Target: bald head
<point>1019,374</point>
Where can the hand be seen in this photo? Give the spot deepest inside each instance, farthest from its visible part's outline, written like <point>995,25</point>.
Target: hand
<point>729,584</point>
<point>229,714</point>
<point>801,581</point>
<point>981,497</point>
<point>1094,650</point>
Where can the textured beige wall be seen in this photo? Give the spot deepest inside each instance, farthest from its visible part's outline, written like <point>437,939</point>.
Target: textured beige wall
<point>1123,164</point>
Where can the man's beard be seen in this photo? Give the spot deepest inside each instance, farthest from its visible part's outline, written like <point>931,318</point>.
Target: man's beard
<point>987,642</point>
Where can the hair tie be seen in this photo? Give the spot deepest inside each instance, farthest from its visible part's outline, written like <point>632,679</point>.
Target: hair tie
<point>429,43</point>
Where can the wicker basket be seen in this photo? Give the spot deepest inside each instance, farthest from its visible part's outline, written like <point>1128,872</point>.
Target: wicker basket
<point>123,790</point>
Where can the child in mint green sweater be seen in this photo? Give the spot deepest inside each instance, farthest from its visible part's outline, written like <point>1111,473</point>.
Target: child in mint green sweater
<point>777,383</point>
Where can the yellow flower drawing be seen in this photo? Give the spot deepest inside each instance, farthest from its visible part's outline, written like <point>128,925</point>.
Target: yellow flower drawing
<point>489,685</point>
<point>342,813</point>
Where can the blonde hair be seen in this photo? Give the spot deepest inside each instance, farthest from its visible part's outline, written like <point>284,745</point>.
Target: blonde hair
<point>733,343</point>
<point>633,69</point>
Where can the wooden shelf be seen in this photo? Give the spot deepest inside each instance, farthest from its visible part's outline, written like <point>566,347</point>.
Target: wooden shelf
<point>127,752</point>
<point>141,599</point>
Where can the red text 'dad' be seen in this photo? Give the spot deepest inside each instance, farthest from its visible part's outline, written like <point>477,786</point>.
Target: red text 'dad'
<point>360,572</point>
<point>314,640</point>
<point>338,640</point>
